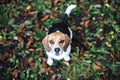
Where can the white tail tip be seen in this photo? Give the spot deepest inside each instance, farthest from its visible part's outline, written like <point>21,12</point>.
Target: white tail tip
<point>69,9</point>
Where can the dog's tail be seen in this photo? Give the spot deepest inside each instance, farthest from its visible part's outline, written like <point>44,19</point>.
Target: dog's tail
<point>68,11</point>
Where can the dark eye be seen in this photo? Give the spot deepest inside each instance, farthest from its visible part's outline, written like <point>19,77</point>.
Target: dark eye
<point>62,41</point>
<point>51,42</point>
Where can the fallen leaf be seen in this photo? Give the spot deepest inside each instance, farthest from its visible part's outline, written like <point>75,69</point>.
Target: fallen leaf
<point>49,70</point>
<point>21,40</point>
<point>15,73</point>
<point>54,2</point>
<point>29,61</point>
<point>85,11</point>
<point>32,13</point>
<point>42,70</point>
<point>53,77</point>
<point>88,43</point>
<point>5,57</point>
<point>97,66</point>
<point>32,49</point>
<point>20,29</point>
<point>54,14</point>
<point>27,22</point>
<point>41,53</point>
<point>45,18</point>
<point>44,64</point>
<point>30,41</point>
<point>86,23</point>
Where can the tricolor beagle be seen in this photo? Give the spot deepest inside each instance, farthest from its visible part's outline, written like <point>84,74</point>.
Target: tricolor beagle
<point>58,41</point>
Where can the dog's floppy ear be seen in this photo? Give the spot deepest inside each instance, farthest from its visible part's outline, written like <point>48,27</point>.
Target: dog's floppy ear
<point>45,44</point>
<point>67,42</point>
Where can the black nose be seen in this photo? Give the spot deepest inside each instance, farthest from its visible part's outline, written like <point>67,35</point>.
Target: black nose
<point>57,50</point>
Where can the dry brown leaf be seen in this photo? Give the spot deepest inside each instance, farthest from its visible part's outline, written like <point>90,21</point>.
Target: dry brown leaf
<point>82,23</point>
<point>113,57</point>
<point>54,2</point>
<point>20,29</point>
<point>49,70</point>
<point>45,18</point>
<point>15,73</point>
<point>21,40</point>
<point>85,11</point>
<point>53,77</point>
<point>41,70</point>
<point>4,57</point>
<point>97,66</point>
<point>44,64</point>
<point>88,43</point>
<point>32,49</point>
<point>54,14</point>
<point>41,53</point>
<point>29,60</point>
<point>86,23</point>
<point>30,41</point>
<point>27,22</point>
<point>32,13</point>
<point>86,55</point>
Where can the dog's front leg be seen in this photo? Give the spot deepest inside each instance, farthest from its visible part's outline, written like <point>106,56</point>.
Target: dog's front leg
<point>50,61</point>
<point>67,58</point>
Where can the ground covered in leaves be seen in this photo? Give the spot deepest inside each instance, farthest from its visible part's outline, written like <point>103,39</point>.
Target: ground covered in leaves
<point>95,46</point>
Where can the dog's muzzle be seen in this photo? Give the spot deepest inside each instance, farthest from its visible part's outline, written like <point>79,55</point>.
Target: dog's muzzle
<point>57,50</point>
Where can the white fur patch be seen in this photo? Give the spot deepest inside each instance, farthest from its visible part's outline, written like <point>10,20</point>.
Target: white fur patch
<point>71,34</point>
<point>69,9</point>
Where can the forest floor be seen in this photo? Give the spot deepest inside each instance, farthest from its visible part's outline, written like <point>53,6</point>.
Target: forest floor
<point>95,51</point>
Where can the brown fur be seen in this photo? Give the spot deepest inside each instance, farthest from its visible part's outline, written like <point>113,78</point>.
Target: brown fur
<point>56,38</point>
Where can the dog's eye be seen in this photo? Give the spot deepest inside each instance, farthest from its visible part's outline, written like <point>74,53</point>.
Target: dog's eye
<point>51,42</point>
<point>62,41</point>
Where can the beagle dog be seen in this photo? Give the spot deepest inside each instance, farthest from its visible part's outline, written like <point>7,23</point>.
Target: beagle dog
<point>58,41</point>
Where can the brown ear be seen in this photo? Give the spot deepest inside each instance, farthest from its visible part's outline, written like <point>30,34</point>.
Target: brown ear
<point>67,42</point>
<point>45,44</point>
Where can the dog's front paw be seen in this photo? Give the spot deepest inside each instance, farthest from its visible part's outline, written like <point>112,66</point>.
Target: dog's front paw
<point>67,58</point>
<point>50,61</point>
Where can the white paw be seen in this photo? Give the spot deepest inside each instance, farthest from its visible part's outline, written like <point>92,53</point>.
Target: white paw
<point>50,61</point>
<point>67,58</point>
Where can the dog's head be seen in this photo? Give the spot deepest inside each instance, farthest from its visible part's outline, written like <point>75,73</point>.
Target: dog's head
<point>56,43</point>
